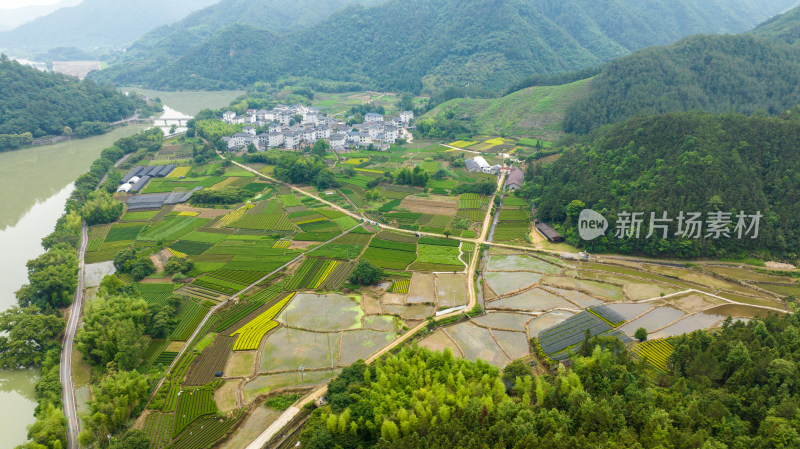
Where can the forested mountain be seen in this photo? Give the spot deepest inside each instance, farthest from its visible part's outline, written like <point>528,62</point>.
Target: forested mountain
<point>97,23</point>
<point>784,27</point>
<point>734,388</point>
<point>279,16</point>
<point>730,73</point>
<point>691,162</point>
<point>419,45</point>
<point>42,103</point>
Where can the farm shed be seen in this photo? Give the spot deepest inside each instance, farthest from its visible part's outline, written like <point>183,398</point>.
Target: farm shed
<point>140,184</point>
<point>125,188</point>
<point>133,172</point>
<point>549,233</point>
<point>157,200</point>
<point>515,179</point>
<point>472,166</point>
<point>481,162</point>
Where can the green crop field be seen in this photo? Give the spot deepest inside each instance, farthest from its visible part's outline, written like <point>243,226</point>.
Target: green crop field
<point>388,258</point>
<point>154,293</point>
<point>191,248</point>
<point>123,231</point>
<point>190,315</point>
<point>445,255</point>
<point>394,245</point>
<point>193,403</point>
<point>171,229</point>
<point>290,200</point>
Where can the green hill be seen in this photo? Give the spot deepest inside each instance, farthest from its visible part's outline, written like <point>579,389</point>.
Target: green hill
<point>414,45</point>
<point>784,27</point>
<point>534,111</point>
<point>730,73</point>
<point>692,162</point>
<point>45,103</point>
<point>174,40</point>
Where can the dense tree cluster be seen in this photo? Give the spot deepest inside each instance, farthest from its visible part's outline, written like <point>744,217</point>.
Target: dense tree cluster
<point>225,195</point>
<point>130,261</point>
<point>297,168</point>
<point>731,73</point>
<point>684,162</point>
<point>120,396</point>
<point>735,388</point>
<point>416,177</point>
<point>365,274</point>
<point>43,103</point>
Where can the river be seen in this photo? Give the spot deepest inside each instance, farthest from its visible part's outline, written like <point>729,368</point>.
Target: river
<point>35,184</point>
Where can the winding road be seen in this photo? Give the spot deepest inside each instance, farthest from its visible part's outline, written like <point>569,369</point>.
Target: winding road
<point>65,369</point>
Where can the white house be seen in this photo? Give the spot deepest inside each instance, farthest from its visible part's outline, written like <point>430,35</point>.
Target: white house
<point>228,116</point>
<point>338,140</point>
<point>365,139</point>
<point>406,116</point>
<point>322,132</point>
<point>390,134</point>
<point>291,140</point>
<point>275,128</point>
<point>309,135</point>
<point>249,130</point>
<point>372,117</point>
<point>275,140</point>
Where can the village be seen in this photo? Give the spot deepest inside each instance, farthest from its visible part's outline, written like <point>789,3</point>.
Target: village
<point>293,127</point>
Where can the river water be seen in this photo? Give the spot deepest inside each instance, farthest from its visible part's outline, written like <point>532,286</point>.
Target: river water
<point>34,186</point>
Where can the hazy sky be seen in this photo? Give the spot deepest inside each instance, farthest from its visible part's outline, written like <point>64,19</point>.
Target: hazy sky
<point>10,4</point>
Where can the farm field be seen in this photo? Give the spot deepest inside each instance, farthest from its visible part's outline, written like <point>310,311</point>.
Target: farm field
<point>275,267</point>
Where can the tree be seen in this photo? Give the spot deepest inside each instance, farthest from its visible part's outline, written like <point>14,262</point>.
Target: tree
<point>133,439</point>
<point>515,369</point>
<point>52,279</point>
<point>320,148</point>
<point>101,208</point>
<point>641,334</point>
<point>113,330</point>
<point>181,265</point>
<point>365,274</point>
<point>27,334</point>
<point>116,398</point>
<point>251,148</point>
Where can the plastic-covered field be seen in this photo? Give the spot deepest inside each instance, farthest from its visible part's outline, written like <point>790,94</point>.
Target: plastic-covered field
<point>504,320</point>
<point>416,312</point>
<point>269,382</point>
<point>421,289</point>
<point>595,288</point>
<point>438,341</point>
<point>504,282</point>
<point>515,344</point>
<point>288,349</point>
<point>361,344</point>
<point>451,290</point>
<point>630,311</point>
<point>513,263</point>
<point>653,320</point>
<point>322,312</point>
<point>477,343</point>
<point>689,324</point>
<point>531,301</point>
<point>580,298</point>
<point>571,332</point>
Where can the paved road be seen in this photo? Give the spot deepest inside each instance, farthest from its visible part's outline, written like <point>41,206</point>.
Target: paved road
<point>65,370</point>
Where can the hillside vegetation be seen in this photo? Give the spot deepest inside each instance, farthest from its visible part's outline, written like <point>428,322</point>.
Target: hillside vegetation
<point>534,111</point>
<point>42,103</point>
<point>415,45</point>
<point>784,27</point>
<point>173,40</point>
<point>731,73</point>
<point>691,162</point>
